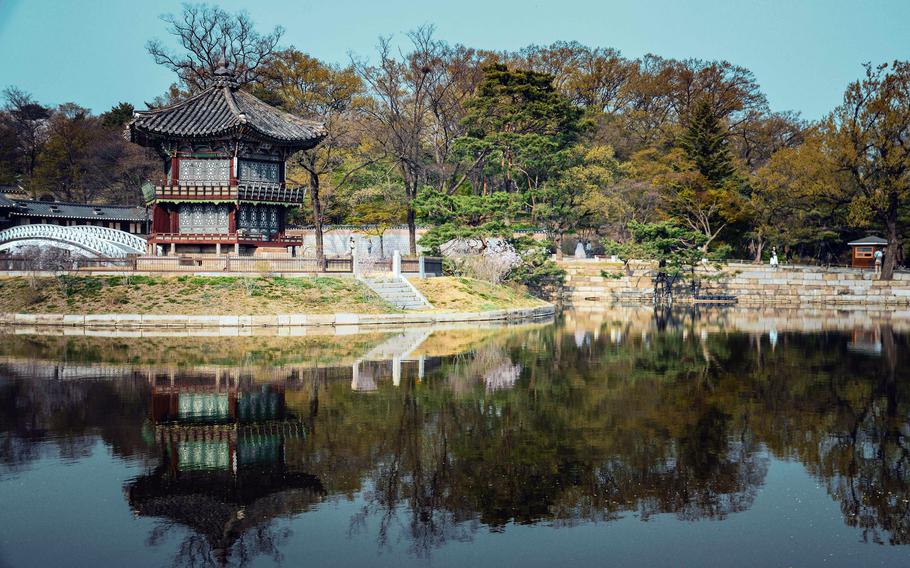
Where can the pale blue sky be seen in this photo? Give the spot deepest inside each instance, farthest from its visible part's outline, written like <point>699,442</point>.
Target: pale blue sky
<point>803,52</point>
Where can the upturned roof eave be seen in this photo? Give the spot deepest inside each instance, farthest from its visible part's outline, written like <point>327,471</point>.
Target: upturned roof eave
<point>243,113</point>
<point>151,137</point>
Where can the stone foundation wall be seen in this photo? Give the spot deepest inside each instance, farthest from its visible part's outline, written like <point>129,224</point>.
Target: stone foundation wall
<point>753,285</point>
<point>173,321</point>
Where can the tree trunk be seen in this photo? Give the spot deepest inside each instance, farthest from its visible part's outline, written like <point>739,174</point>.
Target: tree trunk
<point>890,252</point>
<point>557,240</point>
<point>759,248</point>
<point>890,218</point>
<point>412,229</point>
<point>317,216</point>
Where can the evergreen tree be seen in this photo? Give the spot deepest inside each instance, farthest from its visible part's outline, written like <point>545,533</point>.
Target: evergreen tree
<point>705,142</point>
<point>118,116</point>
<point>518,125</point>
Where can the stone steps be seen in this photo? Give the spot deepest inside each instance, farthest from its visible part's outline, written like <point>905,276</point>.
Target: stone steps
<point>397,292</point>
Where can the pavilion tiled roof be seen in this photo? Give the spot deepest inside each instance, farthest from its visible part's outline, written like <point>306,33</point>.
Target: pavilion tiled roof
<point>224,110</point>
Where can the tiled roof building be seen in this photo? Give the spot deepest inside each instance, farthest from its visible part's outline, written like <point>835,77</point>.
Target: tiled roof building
<point>127,218</point>
<point>224,156</point>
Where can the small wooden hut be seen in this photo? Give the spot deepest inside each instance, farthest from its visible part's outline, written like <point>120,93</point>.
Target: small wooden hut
<point>863,251</point>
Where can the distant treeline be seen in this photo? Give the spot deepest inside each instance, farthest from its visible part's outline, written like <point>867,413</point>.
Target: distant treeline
<point>576,139</point>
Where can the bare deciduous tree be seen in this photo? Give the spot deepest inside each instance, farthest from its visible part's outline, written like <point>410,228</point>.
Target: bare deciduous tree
<point>206,34</point>
<point>28,124</point>
<point>416,110</point>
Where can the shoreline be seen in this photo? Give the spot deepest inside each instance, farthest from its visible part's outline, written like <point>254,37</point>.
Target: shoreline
<point>152,321</point>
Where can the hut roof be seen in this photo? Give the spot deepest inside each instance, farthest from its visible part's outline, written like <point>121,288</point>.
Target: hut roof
<point>871,240</point>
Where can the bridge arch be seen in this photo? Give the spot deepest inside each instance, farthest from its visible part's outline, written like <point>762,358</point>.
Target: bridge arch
<point>86,240</point>
<point>136,245</point>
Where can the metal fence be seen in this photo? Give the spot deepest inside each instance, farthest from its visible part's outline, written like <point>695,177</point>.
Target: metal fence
<point>432,265</point>
<point>411,265</point>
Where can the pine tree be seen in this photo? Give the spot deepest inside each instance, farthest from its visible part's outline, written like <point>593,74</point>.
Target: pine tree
<point>705,143</point>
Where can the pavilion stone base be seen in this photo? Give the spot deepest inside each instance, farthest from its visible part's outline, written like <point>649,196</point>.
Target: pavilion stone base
<point>182,249</point>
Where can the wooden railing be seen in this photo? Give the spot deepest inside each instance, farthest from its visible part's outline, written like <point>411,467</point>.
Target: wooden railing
<point>243,191</point>
<point>283,240</point>
<point>267,191</point>
<point>185,263</point>
<point>195,190</point>
<point>24,264</point>
<point>244,264</point>
<point>212,263</point>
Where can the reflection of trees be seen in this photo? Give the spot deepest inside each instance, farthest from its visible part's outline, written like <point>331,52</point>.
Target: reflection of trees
<point>848,421</point>
<point>572,440</point>
<point>668,422</point>
<point>38,415</point>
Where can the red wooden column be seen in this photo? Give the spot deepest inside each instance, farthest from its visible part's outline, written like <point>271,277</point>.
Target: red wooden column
<point>175,221</point>
<point>161,221</point>
<point>175,169</point>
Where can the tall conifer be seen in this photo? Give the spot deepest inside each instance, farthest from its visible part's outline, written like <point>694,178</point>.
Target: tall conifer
<point>705,143</point>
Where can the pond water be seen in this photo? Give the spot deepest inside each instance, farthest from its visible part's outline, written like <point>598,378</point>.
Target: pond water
<point>615,438</point>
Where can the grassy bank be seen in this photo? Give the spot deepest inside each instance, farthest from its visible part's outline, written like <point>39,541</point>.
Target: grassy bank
<point>459,294</point>
<point>196,295</point>
<point>189,295</point>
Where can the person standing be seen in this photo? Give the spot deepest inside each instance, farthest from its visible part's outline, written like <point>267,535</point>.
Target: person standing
<point>773,261</point>
<point>878,262</point>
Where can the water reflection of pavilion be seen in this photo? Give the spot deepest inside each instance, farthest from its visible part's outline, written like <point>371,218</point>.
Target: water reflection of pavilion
<point>223,467</point>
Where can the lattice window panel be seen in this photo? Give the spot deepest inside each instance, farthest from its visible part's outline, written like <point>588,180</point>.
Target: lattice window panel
<point>259,171</point>
<point>203,218</point>
<point>261,218</point>
<point>205,171</point>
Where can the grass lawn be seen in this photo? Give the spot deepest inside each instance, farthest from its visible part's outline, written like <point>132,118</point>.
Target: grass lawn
<point>460,294</point>
<point>188,295</point>
<point>219,295</point>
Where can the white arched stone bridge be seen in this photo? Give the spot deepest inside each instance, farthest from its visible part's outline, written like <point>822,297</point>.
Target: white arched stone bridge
<point>87,240</point>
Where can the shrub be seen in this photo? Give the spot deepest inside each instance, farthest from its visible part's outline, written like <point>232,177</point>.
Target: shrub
<point>32,296</point>
<point>537,271</point>
<point>481,267</point>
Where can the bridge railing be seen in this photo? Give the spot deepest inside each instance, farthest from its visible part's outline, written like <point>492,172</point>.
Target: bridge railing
<point>138,244</point>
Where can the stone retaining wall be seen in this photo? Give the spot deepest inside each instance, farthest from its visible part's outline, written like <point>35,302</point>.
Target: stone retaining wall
<point>753,285</point>
<point>134,321</point>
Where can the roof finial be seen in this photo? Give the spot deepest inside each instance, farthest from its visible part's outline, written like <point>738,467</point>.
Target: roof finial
<point>224,76</point>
